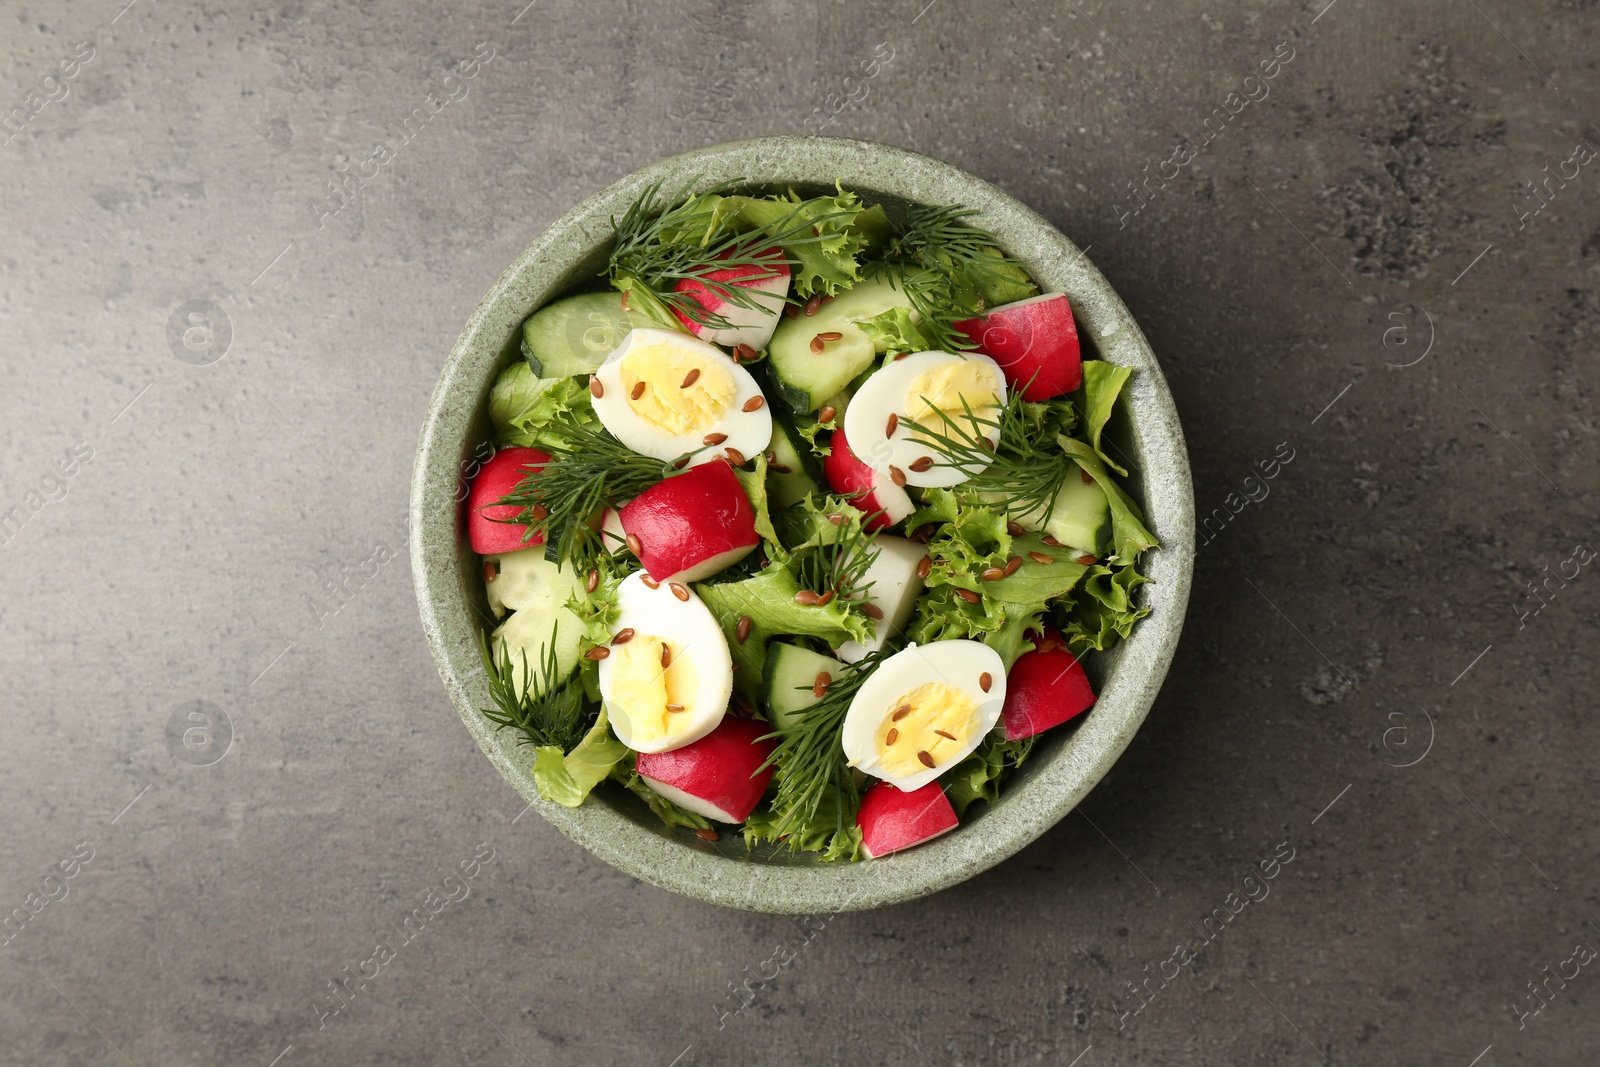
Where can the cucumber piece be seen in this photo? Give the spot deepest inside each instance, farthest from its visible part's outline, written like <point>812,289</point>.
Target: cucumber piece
<point>789,674</point>
<point>1081,514</point>
<point>542,618</point>
<point>806,378</point>
<point>573,336</point>
<point>790,450</point>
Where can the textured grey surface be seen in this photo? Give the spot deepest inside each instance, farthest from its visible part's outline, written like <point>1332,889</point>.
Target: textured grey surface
<point>1378,587</point>
<point>1062,769</point>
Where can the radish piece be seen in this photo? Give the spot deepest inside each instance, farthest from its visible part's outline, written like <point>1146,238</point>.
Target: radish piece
<point>1045,688</point>
<point>1036,339</point>
<point>891,820</point>
<point>865,488</point>
<point>719,776</point>
<point>692,525</point>
<point>893,588</point>
<point>487,533</point>
<point>752,326</point>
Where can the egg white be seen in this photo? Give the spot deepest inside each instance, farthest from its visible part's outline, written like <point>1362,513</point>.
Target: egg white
<point>884,394</point>
<point>693,632</point>
<point>749,432</point>
<point>955,663</point>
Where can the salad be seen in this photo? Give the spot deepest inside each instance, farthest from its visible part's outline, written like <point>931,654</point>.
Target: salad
<point>801,522</point>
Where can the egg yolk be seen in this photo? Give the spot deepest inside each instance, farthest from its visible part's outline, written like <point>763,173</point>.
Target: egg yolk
<point>949,390</point>
<point>684,392</point>
<point>648,695</point>
<point>924,728</point>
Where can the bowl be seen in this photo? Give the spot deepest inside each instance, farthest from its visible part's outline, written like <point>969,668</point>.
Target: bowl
<point>613,824</point>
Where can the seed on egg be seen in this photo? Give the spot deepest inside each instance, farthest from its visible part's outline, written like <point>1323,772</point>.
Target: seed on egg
<point>985,680</point>
<point>946,734</point>
<point>896,475</point>
<point>901,712</point>
<point>890,426</point>
<point>679,591</point>
<point>923,757</point>
<point>596,390</point>
<point>713,438</point>
<point>892,736</point>
<point>674,707</point>
<point>638,391</point>
<point>753,404</point>
<point>598,652</point>
<point>736,457</point>
<point>666,656</point>
<point>623,636</point>
<point>922,465</point>
<point>690,378</point>
<point>649,581</point>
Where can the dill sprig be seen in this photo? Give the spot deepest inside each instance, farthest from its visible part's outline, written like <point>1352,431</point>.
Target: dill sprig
<point>810,758</point>
<point>556,716</point>
<point>1022,475</point>
<point>662,241</point>
<point>947,264</point>
<point>589,469</point>
<point>838,565</point>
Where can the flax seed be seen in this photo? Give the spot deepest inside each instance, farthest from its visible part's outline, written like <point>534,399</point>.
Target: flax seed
<point>649,581</point>
<point>596,390</point>
<point>831,335</point>
<point>968,595</point>
<point>835,518</point>
<point>813,304</point>
<point>820,686</point>
<point>707,834</point>
<point>1087,559</point>
<point>598,652</point>
<point>892,736</point>
<point>690,378</point>
<point>816,345</point>
<point>806,597</point>
<point>1087,480</point>
<point>713,438</point>
<point>674,707</point>
<point>742,630</point>
<point>992,574</point>
<point>680,463</point>
<point>753,404</point>
<point>901,712</point>
<point>825,599</point>
<point>1040,557</point>
<point>635,545</point>
<point>924,567</point>
<point>680,592</point>
<point>736,457</point>
<point>1015,529</point>
<point>920,465</point>
<point>946,735</point>
<point>892,425</point>
<point>638,391</point>
<point>623,636</point>
<point>1051,541</point>
<point>923,757</point>
<point>985,680</point>
<point>488,571</point>
<point>780,468</point>
<point>1012,564</point>
<point>871,610</point>
<point>743,353</point>
<point>666,656</point>
<point>827,413</point>
<point>791,311</point>
<point>896,475</point>
<point>538,513</point>
<point>594,581</point>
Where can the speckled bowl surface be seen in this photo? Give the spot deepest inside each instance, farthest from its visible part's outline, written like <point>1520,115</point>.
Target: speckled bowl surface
<point>1066,764</point>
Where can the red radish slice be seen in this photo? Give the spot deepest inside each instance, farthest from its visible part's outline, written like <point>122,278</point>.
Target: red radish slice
<point>752,326</point>
<point>487,533</point>
<point>719,776</point>
<point>692,525</point>
<point>1045,688</point>
<point>891,820</point>
<point>1035,338</point>
<point>866,489</point>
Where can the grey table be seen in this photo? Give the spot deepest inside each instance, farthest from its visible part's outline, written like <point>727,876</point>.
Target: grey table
<point>231,778</point>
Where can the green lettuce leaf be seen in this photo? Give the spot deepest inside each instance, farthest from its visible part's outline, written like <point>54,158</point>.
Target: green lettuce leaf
<point>567,778</point>
<point>1128,532</point>
<point>978,777</point>
<point>1102,384</point>
<point>894,331</point>
<point>523,406</point>
<point>825,266</point>
<point>755,487</point>
<point>1104,611</point>
<point>832,832</point>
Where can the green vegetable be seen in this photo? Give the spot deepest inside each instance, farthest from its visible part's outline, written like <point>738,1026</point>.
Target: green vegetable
<point>1102,383</point>
<point>832,831</point>
<point>1020,475</point>
<point>1105,613</point>
<point>828,261</point>
<point>754,483</point>
<point>794,473</point>
<point>1128,534</point>
<point>531,412</point>
<point>789,679</point>
<point>548,710</point>
<point>978,777</point>
<point>566,778</point>
<point>805,380</point>
<point>573,336</point>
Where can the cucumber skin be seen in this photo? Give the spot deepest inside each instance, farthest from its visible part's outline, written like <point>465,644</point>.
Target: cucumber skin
<point>805,477</point>
<point>807,379</point>
<point>1080,516</point>
<point>788,668</point>
<point>553,338</point>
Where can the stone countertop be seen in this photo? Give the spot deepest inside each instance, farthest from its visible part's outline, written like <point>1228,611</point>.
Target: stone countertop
<point>240,242</point>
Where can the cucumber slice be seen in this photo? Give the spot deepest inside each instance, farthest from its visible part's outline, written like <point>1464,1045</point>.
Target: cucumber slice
<point>537,591</point>
<point>806,378</point>
<point>790,450</point>
<point>574,336</point>
<point>1081,514</point>
<point>789,674</point>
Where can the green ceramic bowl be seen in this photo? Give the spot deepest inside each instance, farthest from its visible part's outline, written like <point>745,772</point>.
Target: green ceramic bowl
<point>613,824</point>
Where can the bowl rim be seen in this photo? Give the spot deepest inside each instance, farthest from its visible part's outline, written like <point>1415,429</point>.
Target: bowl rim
<point>543,270</point>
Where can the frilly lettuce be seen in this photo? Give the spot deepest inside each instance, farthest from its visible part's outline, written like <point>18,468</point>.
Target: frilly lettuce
<point>978,776</point>
<point>832,832</point>
<point>895,331</point>
<point>523,406</point>
<point>566,778</point>
<point>1128,532</point>
<point>1106,611</point>
<point>827,265</point>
